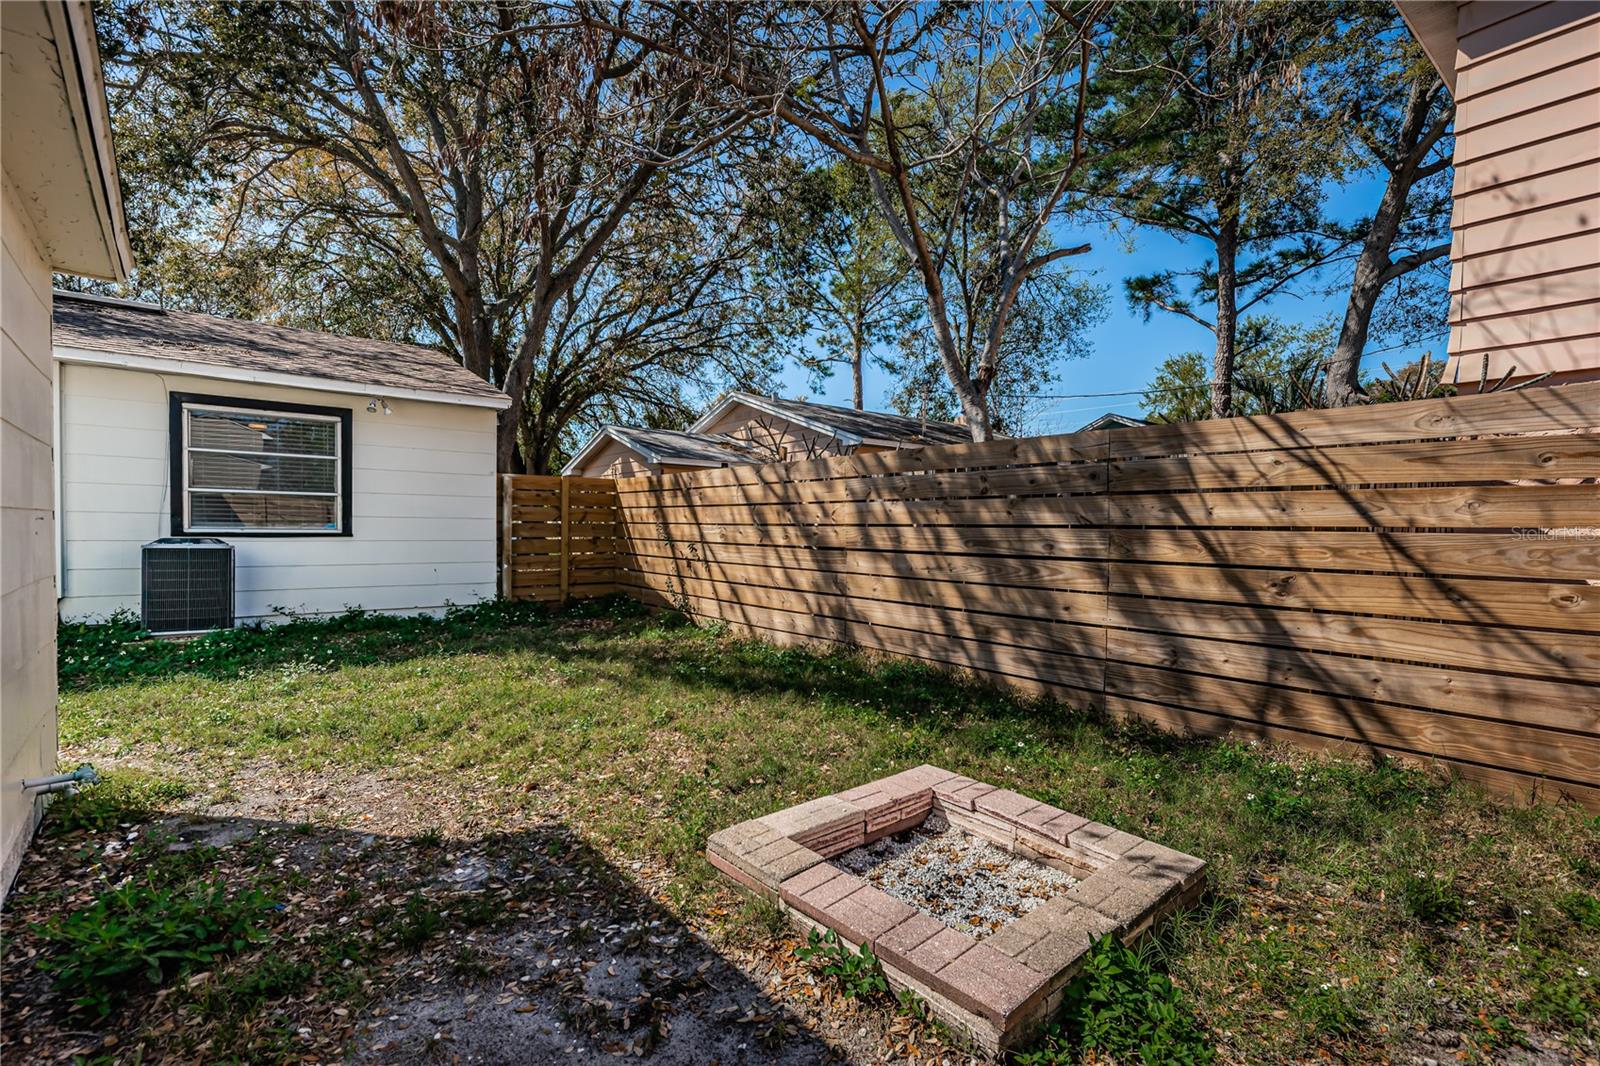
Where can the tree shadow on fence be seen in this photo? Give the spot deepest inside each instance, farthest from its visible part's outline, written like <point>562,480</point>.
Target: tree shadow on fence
<point>1475,660</point>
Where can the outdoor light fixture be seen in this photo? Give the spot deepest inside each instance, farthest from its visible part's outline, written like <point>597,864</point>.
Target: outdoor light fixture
<point>374,404</point>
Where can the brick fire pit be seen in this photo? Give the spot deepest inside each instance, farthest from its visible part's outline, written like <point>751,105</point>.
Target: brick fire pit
<point>998,990</point>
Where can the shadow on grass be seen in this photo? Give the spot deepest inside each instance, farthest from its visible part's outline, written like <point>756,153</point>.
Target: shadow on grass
<point>618,637</point>
<point>521,947</point>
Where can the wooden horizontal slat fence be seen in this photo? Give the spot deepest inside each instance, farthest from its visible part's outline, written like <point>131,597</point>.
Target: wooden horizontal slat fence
<point>558,537</point>
<point>1420,579</point>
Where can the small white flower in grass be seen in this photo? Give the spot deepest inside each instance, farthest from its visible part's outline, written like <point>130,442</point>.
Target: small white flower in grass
<point>1326,986</point>
<point>1582,972</point>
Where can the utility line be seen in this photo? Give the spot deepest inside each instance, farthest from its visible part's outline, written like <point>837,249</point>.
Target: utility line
<point>1166,389</point>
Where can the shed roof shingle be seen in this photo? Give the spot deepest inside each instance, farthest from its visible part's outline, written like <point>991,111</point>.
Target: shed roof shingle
<point>131,329</point>
<point>868,425</point>
<point>668,445</point>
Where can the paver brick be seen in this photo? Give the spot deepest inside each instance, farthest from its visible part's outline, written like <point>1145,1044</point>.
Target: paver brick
<point>989,982</point>
<point>892,808</point>
<point>1177,865</point>
<point>1030,844</point>
<point>866,914</point>
<point>780,861</point>
<point>1038,816</point>
<point>939,950</point>
<point>753,873</point>
<point>804,882</point>
<point>1004,803</point>
<point>813,817</point>
<point>1138,890</point>
<point>743,838</point>
<point>891,828</point>
<point>1017,937</point>
<point>1070,930</point>
<point>928,775</point>
<point>1103,840</point>
<point>816,901</point>
<point>907,786</point>
<point>1094,888</point>
<point>897,944</point>
<point>729,869</point>
<point>958,793</point>
<point>871,792</point>
<point>998,830</point>
<point>1061,827</point>
<point>834,842</point>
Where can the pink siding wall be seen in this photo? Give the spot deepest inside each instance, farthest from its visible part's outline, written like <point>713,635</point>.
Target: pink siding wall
<point>1525,273</point>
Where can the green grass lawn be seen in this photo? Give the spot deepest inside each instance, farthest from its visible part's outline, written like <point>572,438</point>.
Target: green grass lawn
<point>1369,911</point>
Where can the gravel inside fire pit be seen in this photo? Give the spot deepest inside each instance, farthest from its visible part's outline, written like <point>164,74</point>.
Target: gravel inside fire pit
<point>966,882</point>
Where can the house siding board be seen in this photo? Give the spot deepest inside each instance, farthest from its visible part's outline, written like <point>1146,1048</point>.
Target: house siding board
<point>423,516</point>
<point>776,437</point>
<point>1548,38</point>
<point>1537,226</point>
<point>615,459</point>
<point>27,530</point>
<point>1490,33</point>
<point>1526,221</point>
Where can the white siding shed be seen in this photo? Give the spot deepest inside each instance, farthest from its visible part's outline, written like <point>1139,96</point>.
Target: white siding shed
<point>391,507</point>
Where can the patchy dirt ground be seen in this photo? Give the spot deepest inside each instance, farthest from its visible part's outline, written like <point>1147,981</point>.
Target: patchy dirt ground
<point>417,812</point>
<point>397,941</point>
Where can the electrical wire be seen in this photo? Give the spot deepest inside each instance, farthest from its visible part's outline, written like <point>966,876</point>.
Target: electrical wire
<point>1152,390</point>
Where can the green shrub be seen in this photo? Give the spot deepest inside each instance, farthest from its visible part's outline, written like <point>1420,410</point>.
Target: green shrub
<point>1281,807</point>
<point>1432,899</point>
<point>1119,1006</point>
<point>272,978</point>
<point>119,649</point>
<point>1563,992</point>
<point>856,973</point>
<point>141,935</point>
<point>1332,1011</point>
<point>120,796</point>
<point>413,925</point>
<point>1582,908</point>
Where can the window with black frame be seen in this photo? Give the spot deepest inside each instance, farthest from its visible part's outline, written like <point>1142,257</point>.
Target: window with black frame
<point>243,469</point>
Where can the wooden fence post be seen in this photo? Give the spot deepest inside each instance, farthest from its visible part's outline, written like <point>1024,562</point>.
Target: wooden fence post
<point>566,541</point>
<point>506,497</point>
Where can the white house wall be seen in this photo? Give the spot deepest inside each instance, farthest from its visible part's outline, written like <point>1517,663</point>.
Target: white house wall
<point>423,503</point>
<point>27,562</point>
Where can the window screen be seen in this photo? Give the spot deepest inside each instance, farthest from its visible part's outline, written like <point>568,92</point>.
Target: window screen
<point>262,470</point>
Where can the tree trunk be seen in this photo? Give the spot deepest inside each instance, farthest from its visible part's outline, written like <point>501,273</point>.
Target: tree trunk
<point>508,460</point>
<point>855,366</point>
<point>1227,315</point>
<point>1374,269</point>
<point>1343,385</point>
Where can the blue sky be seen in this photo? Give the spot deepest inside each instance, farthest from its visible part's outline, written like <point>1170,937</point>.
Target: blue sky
<point>1127,349</point>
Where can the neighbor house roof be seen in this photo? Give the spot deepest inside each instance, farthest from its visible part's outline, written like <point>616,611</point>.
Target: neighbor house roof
<point>1112,420</point>
<point>845,424</point>
<point>107,332</point>
<point>666,446</point>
